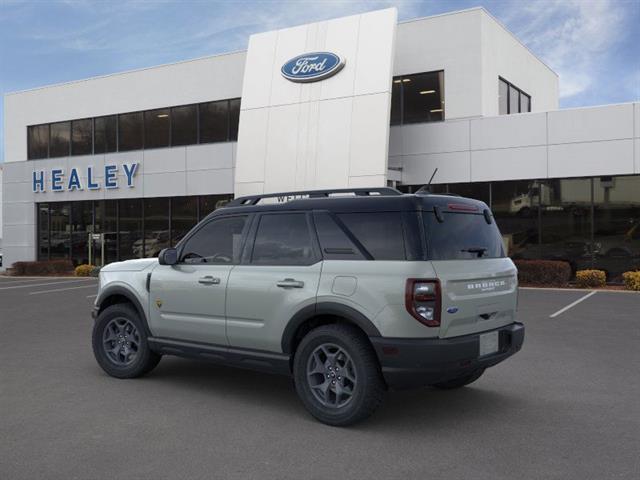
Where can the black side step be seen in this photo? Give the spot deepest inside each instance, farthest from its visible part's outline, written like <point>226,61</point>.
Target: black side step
<point>260,360</point>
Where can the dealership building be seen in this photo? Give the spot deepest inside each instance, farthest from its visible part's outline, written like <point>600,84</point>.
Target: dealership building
<point>120,166</point>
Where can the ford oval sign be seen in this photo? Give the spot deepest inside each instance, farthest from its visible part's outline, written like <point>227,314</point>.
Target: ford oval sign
<point>311,67</point>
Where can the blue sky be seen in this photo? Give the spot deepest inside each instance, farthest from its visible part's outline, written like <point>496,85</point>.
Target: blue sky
<point>594,45</point>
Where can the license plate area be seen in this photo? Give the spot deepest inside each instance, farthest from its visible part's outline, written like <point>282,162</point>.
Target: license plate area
<point>489,343</point>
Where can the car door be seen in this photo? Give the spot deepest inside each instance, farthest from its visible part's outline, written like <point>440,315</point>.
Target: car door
<point>187,300</point>
<point>279,275</point>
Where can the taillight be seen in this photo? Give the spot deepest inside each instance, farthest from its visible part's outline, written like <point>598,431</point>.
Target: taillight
<point>422,299</point>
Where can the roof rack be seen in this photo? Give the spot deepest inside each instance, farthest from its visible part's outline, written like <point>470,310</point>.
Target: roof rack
<point>287,196</point>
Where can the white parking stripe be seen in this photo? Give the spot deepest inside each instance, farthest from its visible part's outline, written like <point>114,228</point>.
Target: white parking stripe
<point>61,289</point>
<point>64,282</point>
<point>571,305</point>
<point>92,296</point>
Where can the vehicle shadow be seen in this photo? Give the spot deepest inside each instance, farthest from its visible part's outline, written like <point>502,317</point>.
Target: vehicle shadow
<point>410,409</point>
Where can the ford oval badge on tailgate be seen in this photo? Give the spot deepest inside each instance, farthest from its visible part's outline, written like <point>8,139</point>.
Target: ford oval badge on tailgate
<point>452,309</point>
<point>312,67</point>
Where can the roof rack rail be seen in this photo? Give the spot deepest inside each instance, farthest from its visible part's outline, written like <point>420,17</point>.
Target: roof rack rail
<point>287,196</point>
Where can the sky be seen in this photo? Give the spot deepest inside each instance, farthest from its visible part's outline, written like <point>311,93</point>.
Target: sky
<point>593,45</point>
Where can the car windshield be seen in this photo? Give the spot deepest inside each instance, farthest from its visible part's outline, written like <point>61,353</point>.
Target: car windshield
<point>462,236</point>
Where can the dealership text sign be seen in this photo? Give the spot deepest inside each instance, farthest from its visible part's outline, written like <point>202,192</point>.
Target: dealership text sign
<point>57,180</point>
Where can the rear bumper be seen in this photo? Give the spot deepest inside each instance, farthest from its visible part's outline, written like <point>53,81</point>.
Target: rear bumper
<point>415,362</point>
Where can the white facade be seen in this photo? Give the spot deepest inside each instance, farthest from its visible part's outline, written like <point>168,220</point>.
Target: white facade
<point>331,133</point>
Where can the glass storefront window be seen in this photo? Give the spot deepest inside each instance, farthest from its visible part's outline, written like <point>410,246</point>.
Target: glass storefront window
<point>38,141</point>
<point>616,229</point>
<point>234,118</point>
<point>59,139</point>
<point>81,227</point>
<point>209,203</point>
<point>156,128</point>
<point>214,121</point>
<point>106,223</point>
<point>130,131</point>
<point>60,234</point>
<point>43,231</point>
<point>418,98</point>
<point>184,125</point>
<point>82,137</point>
<point>156,227</point>
<point>184,215</point>
<point>105,134</point>
<point>130,234</point>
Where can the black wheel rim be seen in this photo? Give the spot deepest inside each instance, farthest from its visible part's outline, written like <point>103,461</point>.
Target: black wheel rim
<point>121,341</point>
<point>331,375</point>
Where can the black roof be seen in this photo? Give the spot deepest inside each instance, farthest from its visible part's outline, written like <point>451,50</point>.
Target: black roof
<point>360,200</point>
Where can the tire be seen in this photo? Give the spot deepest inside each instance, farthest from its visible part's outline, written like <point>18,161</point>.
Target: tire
<point>130,356</point>
<point>340,354</point>
<point>460,381</point>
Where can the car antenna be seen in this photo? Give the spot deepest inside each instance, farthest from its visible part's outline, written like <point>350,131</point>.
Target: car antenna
<point>425,188</point>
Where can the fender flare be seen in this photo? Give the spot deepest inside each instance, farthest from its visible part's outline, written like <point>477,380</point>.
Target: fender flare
<point>124,292</point>
<point>350,314</point>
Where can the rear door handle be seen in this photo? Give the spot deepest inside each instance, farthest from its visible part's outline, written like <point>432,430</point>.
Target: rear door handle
<point>290,283</point>
<point>209,280</point>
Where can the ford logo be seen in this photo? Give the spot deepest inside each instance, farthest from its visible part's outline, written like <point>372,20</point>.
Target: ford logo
<point>452,310</point>
<point>312,67</point>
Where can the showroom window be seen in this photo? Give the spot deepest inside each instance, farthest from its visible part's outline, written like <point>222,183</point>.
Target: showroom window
<point>511,99</point>
<point>38,141</point>
<point>82,137</point>
<point>417,98</point>
<point>129,228</point>
<point>59,139</point>
<point>159,128</point>
<point>105,134</point>
<point>157,124</point>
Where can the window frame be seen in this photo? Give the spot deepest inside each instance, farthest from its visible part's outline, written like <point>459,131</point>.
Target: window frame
<point>194,231</point>
<point>521,92</point>
<point>247,254</point>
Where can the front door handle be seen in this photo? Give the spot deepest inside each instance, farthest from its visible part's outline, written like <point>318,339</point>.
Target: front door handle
<point>290,283</point>
<point>209,280</point>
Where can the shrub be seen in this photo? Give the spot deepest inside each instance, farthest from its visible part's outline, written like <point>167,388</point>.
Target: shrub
<point>591,278</point>
<point>631,280</point>
<point>84,270</point>
<point>553,273</point>
<point>47,267</point>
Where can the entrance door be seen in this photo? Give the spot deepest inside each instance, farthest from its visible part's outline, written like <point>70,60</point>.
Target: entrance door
<point>187,300</point>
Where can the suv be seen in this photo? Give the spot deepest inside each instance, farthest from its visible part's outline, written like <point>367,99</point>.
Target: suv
<point>350,292</point>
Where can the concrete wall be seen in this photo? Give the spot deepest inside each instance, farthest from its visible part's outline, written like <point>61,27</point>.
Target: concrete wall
<point>201,80</point>
<point>565,143</point>
<point>473,49</point>
<point>330,133</point>
<point>504,56</point>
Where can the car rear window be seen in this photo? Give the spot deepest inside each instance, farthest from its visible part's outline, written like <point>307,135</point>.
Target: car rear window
<point>380,233</point>
<point>462,236</point>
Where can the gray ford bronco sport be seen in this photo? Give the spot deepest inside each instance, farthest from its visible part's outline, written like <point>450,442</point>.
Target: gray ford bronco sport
<point>351,292</point>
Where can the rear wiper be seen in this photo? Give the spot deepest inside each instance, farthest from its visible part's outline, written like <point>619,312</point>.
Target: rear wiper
<point>478,250</point>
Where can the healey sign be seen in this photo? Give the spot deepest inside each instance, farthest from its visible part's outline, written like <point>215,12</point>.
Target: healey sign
<point>57,181</point>
<point>312,67</point>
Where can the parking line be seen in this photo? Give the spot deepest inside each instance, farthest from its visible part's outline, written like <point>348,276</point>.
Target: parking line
<point>61,289</point>
<point>571,305</point>
<point>92,296</point>
<point>63,282</point>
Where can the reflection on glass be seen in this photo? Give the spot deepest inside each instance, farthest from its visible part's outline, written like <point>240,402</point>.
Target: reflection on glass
<point>130,234</point>
<point>156,128</point>
<point>38,141</point>
<point>214,121</point>
<point>184,215</point>
<point>184,125</point>
<point>130,131</point>
<point>81,137</point>
<point>60,238</point>
<point>234,118</point>
<point>43,231</point>
<point>59,139</point>
<point>105,134</point>
<point>156,228</point>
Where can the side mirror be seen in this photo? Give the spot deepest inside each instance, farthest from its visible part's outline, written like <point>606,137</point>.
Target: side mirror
<point>168,256</point>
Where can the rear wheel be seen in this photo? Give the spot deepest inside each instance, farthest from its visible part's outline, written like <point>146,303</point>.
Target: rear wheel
<point>460,381</point>
<point>120,343</point>
<point>337,375</point>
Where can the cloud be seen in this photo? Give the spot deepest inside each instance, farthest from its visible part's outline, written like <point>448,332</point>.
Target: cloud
<point>574,37</point>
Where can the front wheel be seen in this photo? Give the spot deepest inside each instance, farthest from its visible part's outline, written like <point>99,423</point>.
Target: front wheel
<point>120,343</point>
<point>337,375</point>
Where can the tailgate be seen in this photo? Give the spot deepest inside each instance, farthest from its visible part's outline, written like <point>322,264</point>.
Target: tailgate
<point>477,295</point>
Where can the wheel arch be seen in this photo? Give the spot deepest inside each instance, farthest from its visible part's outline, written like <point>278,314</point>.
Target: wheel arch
<point>323,313</point>
<point>117,294</point>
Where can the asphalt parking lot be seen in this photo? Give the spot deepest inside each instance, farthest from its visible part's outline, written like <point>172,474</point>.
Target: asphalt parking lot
<point>566,406</point>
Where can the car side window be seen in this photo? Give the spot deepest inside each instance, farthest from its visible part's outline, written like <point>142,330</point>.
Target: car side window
<point>283,239</point>
<point>218,242</point>
<point>381,233</point>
